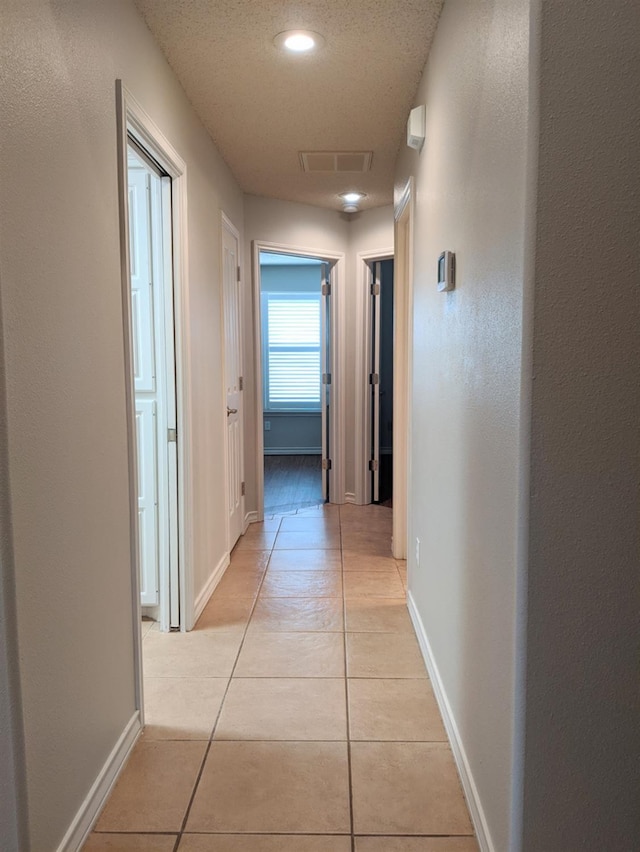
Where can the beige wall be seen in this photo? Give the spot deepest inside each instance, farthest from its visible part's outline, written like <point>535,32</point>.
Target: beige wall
<point>582,784</point>
<point>525,411</point>
<point>60,277</point>
<point>300,225</point>
<point>371,230</point>
<point>466,385</point>
<point>12,786</point>
<point>565,781</point>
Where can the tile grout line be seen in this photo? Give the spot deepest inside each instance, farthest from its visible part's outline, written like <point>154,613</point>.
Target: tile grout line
<point>231,677</point>
<point>215,724</point>
<point>346,690</point>
<point>343,530</point>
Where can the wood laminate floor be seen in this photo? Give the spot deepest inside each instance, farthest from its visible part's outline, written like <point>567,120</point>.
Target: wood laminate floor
<point>291,482</point>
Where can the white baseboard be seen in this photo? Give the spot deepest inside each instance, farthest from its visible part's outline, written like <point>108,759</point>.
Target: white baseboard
<point>209,586</point>
<point>90,809</point>
<point>349,497</point>
<point>457,746</point>
<point>249,518</point>
<point>293,451</point>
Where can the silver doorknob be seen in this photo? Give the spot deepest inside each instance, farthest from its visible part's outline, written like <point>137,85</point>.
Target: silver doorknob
<point>231,411</point>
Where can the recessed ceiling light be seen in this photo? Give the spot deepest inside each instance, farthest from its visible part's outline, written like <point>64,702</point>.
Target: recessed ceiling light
<point>350,201</point>
<point>298,41</point>
<point>352,197</point>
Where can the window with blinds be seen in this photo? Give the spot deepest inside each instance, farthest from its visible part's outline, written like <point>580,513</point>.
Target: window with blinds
<point>291,328</point>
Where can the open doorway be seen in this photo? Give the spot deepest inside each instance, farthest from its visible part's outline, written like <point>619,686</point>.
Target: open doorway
<point>161,189</point>
<point>381,382</point>
<point>375,345</point>
<point>331,373</point>
<point>296,379</point>
<point>154,384</point>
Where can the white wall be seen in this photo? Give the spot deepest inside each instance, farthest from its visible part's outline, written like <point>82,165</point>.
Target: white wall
<point>60,277</point>
<point>582,777</point>
<point>470,198</point>
<point>317,228</point>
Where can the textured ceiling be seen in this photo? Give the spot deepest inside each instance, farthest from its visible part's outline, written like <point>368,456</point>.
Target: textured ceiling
<point>262,106</point>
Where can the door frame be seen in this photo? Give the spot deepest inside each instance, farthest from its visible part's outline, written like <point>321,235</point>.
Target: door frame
<point>362,452</point>
<point>132,119</point>
<point>226,223</point>
<point>337,424</point>
<point>402,367</point>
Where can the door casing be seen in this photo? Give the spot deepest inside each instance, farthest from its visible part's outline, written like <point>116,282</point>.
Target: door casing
<point>337,424</point>
<point>402,369</point>
<point>362,437</point>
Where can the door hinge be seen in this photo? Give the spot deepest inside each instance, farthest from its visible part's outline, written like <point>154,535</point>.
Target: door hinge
<point>238,274</point>
<point>326,378</point>
<point>243,489</point>
<point>326,289</point>
<point>374,379</point>
<point>172,435</point>
<point>241,383</point>
<point>373,465</point>
<point>375,289</point>
<point>326,464</point>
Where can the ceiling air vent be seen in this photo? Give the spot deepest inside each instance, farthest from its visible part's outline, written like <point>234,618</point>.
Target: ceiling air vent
<point>336,161</point>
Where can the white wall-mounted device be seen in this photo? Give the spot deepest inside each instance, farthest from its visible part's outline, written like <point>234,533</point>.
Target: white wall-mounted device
<point>416,127</point>
<point>446,271</point>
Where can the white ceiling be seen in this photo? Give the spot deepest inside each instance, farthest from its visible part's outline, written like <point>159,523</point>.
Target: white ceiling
<point>262,106</point>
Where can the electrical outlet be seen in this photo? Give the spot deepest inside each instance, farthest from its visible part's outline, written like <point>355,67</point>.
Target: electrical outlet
<point>267,425</point>
<point>417,552</point>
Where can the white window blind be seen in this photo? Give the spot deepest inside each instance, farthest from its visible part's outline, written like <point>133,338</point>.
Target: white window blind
<point>292,351</point>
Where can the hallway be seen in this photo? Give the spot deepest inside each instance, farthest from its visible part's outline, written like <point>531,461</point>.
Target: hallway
<point>297,716</point>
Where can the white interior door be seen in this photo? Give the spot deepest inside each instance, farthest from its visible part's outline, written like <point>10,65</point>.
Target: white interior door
<point>233,380</point>
<point>154,381</point>
<point>144,369</point>
<point>147,501</point>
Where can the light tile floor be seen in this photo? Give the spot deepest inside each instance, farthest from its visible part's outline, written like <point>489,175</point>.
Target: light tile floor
<point>297,716</point>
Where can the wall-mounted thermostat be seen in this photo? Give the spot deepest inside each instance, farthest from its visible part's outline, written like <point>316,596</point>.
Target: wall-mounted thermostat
<point>446,271</point>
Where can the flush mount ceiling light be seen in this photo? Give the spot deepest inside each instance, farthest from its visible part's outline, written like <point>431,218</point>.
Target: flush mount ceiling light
<point>351,201</point>
<point>298,41</point>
